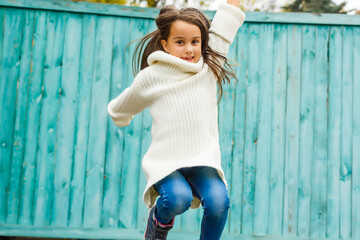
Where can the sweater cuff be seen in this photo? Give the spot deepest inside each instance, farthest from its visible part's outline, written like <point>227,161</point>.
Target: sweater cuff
<point>123,122</point>
<point>227,21</point>
<point>120,120</point>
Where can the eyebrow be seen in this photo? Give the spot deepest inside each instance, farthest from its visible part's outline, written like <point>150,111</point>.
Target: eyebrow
<point>183,37</point>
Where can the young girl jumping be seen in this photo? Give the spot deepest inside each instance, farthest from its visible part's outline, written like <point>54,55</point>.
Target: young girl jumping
<point>181,64</point>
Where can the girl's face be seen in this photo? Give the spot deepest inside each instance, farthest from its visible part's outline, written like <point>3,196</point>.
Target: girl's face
<point>184,41</point>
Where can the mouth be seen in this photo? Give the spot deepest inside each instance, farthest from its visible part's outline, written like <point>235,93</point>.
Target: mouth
<point>188,59</point>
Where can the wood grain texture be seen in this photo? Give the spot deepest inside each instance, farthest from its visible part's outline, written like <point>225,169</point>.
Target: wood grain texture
<point>67,120</point>
<point>237,166</point>
<point>306,145</point>
<point>87,51</point>
<point>10,65</point>
<point>143,211</point>
<point>291,173</point>
<point>262,176</point>
<point>346,133</point>
<point>49,119</point>
<point>277,158</point>
<point>132,147</point>
<point>226,121</point>
<point>319,179</point>
<point>2,15</point>
<point>29,166</point>
<point>20,120</point>
<point>334,133</point>
<point>251,134</point>
<point>98,122</point>
<point>115,138</point>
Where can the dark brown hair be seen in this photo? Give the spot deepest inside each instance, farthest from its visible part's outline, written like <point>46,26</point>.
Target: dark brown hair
<point>152,42</point>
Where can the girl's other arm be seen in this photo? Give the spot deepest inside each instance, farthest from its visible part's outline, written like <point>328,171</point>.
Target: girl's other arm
<point>123,108</point>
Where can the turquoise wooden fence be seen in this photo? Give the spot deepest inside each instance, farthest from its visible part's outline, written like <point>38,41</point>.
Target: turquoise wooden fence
<point>289,128</point>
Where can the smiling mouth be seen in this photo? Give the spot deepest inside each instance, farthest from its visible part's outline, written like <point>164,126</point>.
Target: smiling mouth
<point>189,59</point>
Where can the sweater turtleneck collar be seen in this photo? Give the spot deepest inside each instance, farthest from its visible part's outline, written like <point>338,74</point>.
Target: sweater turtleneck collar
<point>161,56</point>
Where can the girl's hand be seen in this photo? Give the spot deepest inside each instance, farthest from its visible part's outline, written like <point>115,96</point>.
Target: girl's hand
<point>235,3</point>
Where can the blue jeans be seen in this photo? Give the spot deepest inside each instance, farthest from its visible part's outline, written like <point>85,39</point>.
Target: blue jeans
<point>176,193</point>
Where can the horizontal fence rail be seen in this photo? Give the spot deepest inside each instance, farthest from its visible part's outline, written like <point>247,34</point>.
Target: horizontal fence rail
<point>151,13</point>
<point>289,127</point>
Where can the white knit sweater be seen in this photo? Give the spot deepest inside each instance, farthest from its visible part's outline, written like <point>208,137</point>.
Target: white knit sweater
<point>182,98</point>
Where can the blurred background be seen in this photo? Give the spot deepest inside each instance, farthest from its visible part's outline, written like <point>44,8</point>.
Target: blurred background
<point>314,6</point>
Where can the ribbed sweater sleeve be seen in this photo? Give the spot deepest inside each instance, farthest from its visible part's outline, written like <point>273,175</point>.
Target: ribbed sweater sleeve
<point>123,108</point>
<point>224,26</point>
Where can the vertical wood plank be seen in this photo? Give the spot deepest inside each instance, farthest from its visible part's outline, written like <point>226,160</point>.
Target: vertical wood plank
<point>237,166</point>
<point>319,183</point>
<point>356,140</point>
<point>334,133</point>
<point>145,143</point>
<point>115,139</point>
<point>226,126</point>
<point>292,132</point>
<point>49,119</point>
<point>251,134</point>
<point>276,197</point>
<point>261,207</point>
<point>20,120</point>
<point>132,155</point>
<point>2,17</point>
<point>346,133</point>
<point>98,122</point>
<point>77,191</point>
<point>226,120</point>
<point>66,120</point>
<point>306,128</point>
<point>10,65</point>
<point>29,165</point>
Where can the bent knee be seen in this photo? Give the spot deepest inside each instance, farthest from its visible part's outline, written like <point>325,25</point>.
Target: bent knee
<point>217,206</point>
<point>179,202</point>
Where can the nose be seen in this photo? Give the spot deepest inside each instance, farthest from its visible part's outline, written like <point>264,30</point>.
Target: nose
<point>188,49</point>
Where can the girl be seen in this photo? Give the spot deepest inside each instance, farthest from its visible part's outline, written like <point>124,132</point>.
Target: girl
<point>181,64</point>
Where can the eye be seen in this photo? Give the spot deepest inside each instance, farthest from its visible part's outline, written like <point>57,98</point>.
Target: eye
<point>180,42</point>
<point>195,42</point>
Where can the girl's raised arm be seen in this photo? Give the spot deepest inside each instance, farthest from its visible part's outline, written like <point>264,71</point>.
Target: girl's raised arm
<point>225,25</point>
<point>235,3</point>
